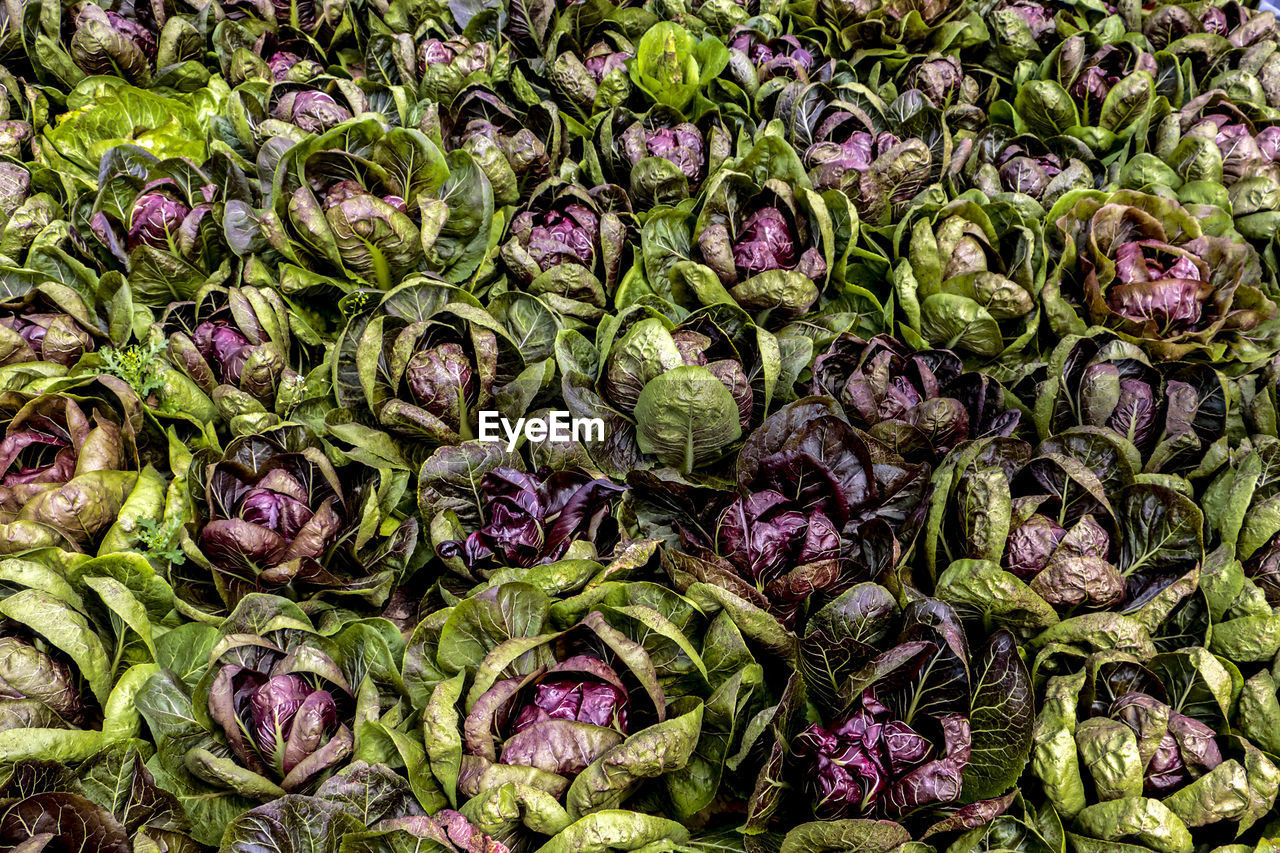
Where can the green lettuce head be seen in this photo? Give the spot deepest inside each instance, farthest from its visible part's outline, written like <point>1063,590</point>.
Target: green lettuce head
<point>427,359</point>
<point>721,366</point>
<point>1238,505</point>
<point>968,276</point>
<point>1132,749</point>
<point>670,65</point>
<point>893,24</point>
<point>1042,541</point>
<point>1102,93</point>
<point>1222,152</point>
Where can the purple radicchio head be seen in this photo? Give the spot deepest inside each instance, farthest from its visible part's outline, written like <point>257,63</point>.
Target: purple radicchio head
<point>530,519</point>
<point>922,404</point>
<point>872,764</point>
<point>276,514</point>
<point>234,338</point>
<point>281,726</point>
<point>310,110</point>
<point>1186,750</point>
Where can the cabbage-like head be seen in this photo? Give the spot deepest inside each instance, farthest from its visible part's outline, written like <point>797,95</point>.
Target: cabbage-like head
<point>155,219</point>
<point>602,60</point>
<point>1148,272</point>
<point>783,56</point>
<point>765,534</point>
<point>1035,15</point>
<point>937,77</point>
<point>68,462</point>
<point>1090,78</point>
<point>1187,748</point>
<point>442,380</point>
<point>1066,566</point>
<point>1029,174</point>
<point>563,235</point>
<point>763,238</point>
<point>577,697</point>
<point>857,764</point>
<point>372,230</point>
<point>445,65</point>
<point>274,517</point>
<point>558,722</point>
<point>532,519</point>
<point>975,294</point>
<point>36,687</point>
<point>109,43</point>
<point>310,110</point>
<point>515,152</point>
<point>56,337</point>
<point>766,242</point>
<point>282,722</point>
<point>922,404</point>
<point>234,344</point>
<point>1161,284</point>
<point>681,145</point>
<point>15,139</point>
<point>275,706</point>
<point>224,348</point>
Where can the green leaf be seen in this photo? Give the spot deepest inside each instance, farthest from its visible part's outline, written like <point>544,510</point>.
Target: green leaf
<point>1046,107</point>
<point>1128,102</point>
<point>1109,751</point>
<point>1247,639</point>
<point>441,729</point>
<point>615,830</point>
<point>1222,794</point>
<point>1000,720</point>
<point>128,609</point>
<point>477,625</point>
<point>984,587</point>
<point>292,824</point>
<point>1146,821</point>
<point>647,754</point>
<point>686,417</point>
<point>845,836</point>
<point>66,629</point>
<point>1163,530</point>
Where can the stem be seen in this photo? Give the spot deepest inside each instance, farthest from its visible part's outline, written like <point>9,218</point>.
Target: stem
<point>119,654</point>
<point>464,417</point>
